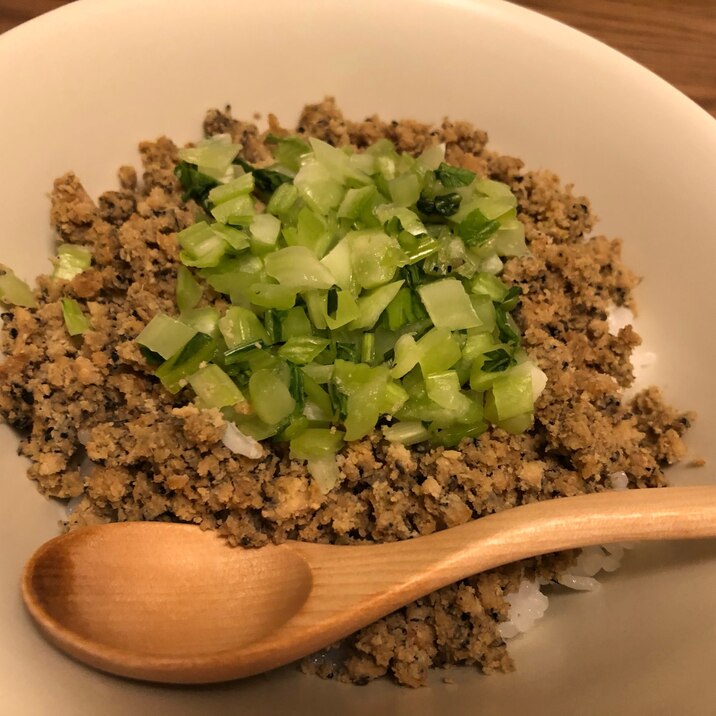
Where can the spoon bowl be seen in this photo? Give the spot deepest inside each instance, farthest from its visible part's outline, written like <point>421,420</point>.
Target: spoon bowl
<point>162,596</point>
<point>172,603</point>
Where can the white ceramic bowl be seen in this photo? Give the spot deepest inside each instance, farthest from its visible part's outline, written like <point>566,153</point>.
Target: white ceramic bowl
<point>82,85</point>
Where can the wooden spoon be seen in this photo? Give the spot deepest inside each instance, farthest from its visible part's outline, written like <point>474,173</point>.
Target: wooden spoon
<point>169,602</point>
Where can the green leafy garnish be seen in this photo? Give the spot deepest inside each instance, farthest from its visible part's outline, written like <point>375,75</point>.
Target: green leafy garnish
<point>288,151</point>
<point>506,333</point>
<point>442,205</point>
<point>267,180</point>
<point>196,185</point>
<point>475,229</point>
<point>498,360</point>
<point>454,177</point>
<point>512,298</point>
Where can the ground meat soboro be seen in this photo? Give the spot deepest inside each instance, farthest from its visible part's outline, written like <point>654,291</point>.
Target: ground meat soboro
<point>157,457</point>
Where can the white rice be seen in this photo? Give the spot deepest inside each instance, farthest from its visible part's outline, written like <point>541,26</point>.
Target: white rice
<point>618,318</point>
<point>529,603</point>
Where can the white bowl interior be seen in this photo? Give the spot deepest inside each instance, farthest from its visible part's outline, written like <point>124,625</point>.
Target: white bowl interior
<point>82,85</point>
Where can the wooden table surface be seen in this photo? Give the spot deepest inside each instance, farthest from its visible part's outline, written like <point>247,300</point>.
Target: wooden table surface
<point>674,38</point>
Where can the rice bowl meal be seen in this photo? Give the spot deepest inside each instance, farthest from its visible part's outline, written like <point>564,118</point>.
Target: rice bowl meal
<point>346,332</point>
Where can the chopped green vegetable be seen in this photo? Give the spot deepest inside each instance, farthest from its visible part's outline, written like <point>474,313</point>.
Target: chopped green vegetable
<point>196,185</point>
<point>298,267</point>
<point>442,205</point>
<point>316,442</point>
<point>288,150</point>
<point>72,260</point>
<point>448,305</point>
<point>165,335</point>
<point>243,184</point>
<point>475,229</point>
<point>175,371</point>
<point>506,327</point>
<point>452,177</point>
<point>238,211</point>
<point>214,387</point>
<point>303,349</point>
<point>497,360</point>
<point>270,396</point>
<point>407,432</point>
<point>213,155</point>
<point>240,326</point>
<point>510,396</point>
<point>75,320</point>
<point>201,245</point>
<point>364,288</point>
<point>188,291</point>
<point>15,291</point>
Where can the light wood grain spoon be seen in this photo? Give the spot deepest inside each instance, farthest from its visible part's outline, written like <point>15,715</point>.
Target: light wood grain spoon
<point>168,602</point>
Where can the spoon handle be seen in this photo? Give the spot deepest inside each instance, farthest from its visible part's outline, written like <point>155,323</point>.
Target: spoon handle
<point>384,577</point>
<point>555,525</point>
